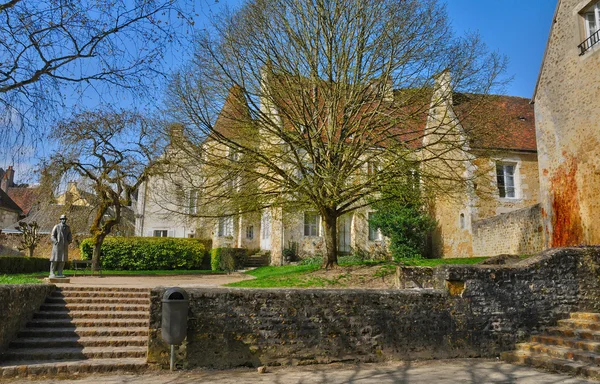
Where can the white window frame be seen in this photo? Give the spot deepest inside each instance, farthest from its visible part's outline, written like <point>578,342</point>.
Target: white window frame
<point>312,224</point>
<point>505,166</point>
<point>592,12</point>
<point>193,202</point>
<point>374,233</point>
<point>160,233</point>
<point>225,227</point>
<point>250,232</point>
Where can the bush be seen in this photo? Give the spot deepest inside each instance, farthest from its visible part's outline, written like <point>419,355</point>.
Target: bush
<point>12,265</point>
<point>228,259</point>
<point>149,253</point>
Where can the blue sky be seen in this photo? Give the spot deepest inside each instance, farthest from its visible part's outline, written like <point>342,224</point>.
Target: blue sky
<point>516,28</point>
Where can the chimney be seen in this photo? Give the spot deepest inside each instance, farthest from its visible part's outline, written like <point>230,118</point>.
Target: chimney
<point>8,180</point>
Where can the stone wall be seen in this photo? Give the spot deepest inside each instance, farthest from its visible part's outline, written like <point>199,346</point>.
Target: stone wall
<point>475,311</point>
<point>518,232</point>
<point>17,305</point>
<point>568,138</point>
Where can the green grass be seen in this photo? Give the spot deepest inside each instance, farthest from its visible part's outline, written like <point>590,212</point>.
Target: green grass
<point>19,279</point>
<point>296,276</point>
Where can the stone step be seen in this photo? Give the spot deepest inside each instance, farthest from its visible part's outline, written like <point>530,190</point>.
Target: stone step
<point>552,364</point>
<point>67,368</point>
<point>586,316</point>
<point>97,300</point>
<point>585,334</point>
<point>559,352</point>
<point>53,307</point>
<point>91,315</point>
<point>580,324</point>
<point>83,331</point>
<point>76,341</point>
<point>103,289</point>
<point>70,353</point>
<point>584,345</point>
<point>103,294</point>
<point>63,323</point>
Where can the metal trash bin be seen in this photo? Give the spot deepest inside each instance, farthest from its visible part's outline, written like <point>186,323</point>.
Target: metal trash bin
<point>175,304</point>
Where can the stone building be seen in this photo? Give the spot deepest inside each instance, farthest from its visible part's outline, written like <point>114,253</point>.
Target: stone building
<point>568,126</point>
<point>501,165</point>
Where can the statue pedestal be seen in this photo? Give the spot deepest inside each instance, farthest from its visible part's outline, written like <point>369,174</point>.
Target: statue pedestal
<point>57,280</point>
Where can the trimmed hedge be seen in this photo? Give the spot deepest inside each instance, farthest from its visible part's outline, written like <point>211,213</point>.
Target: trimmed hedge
<point>11,265</point>
<point>149,253</point>
<point>228,259</point>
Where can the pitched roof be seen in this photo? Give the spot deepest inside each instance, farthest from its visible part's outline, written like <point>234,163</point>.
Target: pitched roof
<point>233,115</point>
<point>7,203</point>
<point>497,122</point>
<point>24,197</point>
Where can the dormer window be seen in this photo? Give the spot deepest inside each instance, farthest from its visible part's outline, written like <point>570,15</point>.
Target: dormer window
<point>591,26</point>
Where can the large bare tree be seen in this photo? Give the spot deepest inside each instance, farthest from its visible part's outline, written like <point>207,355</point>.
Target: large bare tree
<point>114,152</point>
<point>324,103</point>
<point>57,49</point>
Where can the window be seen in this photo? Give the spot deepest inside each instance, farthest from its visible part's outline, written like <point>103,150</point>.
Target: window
<point>311,224</point>
<point>250,232</point>
<point>160,233</point>
<point>193,202</point>
<point>373,167</point>
<point>462,221</point>
<point>234,155</point>
<point>591,24</point>
<point>374,232</point>
<point>225,226</point>
<point>505,177</point>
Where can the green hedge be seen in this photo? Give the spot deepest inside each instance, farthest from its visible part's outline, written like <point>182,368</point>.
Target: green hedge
<point>149,253</point>
<point>228,259</point>
<point>11,265</point>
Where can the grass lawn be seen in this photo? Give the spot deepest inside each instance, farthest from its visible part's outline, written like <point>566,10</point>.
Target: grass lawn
<point>299,276</point>
<point>37,277</point>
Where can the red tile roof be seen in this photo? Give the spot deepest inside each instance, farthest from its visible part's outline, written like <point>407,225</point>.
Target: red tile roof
<point>24,197</point>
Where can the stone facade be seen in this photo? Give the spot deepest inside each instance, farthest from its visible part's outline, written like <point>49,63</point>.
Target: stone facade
<point>476,310</point>
<point>568,131</point>
<point>518,232</point>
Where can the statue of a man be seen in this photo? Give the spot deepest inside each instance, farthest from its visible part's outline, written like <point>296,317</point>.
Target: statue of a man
<point>60,237</point>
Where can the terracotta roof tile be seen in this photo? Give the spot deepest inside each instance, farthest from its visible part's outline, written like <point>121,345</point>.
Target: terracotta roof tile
<point>7,203</point>
<point>25,198</point>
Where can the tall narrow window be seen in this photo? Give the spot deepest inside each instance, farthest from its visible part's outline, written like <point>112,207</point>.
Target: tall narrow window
<point>225,226</point>
<point>374,232</point>
<point>193,202</point>
<point>505,177</point>
<point>311,224</point>
<point>462,221</point>
<point>591,25</point>
<point>250,232</point>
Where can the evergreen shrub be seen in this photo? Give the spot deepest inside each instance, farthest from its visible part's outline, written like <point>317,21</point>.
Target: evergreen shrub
<point>228,259</point>
<point>149,253</point>
<point>12,265</point>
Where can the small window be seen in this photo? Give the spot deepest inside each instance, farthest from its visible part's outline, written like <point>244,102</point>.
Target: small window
<point>234,154</point>
<point>225,226</point>
<point>373,167</point>
<point>462,221</point>
<point>505,177</point>
<point>591,26</point>
<point>160,233</point>
<point>374,232</point>
<point>250,232</point>
<point>311,224</point>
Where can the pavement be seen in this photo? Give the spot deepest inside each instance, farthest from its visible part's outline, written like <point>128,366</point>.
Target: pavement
<point>423,372</point>
<point>183,281</point>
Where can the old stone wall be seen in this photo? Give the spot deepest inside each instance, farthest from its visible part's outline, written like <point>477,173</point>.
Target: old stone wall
<point>568,134</point>
<point>17,305</point>
<point>475,311</point>
<point>518,232</point>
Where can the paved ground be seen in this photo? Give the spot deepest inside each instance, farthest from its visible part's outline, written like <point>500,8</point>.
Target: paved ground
<point>428,372</point>
<point>184,281</point>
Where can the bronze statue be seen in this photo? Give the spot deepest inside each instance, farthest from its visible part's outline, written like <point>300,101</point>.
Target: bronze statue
<point>61,238</point>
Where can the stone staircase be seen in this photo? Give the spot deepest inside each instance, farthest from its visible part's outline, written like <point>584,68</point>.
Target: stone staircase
<point>260,259</point>
<point>82,330</point>
<point>572,347</point>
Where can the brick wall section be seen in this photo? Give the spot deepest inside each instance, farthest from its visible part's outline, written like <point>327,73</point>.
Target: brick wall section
<point>518,232</point>
<point>481,311</point>
<point>17,305</point>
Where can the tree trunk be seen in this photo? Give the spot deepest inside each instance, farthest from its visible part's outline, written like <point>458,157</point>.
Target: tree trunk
<point>330,233</point>
<point>96,253</point>
<point>31,249</point>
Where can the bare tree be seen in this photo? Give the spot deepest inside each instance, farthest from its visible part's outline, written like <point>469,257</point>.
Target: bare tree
<point>48,46</point>
<point>30,236</point>
<point>324,103</point>
<point>115,153</point>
